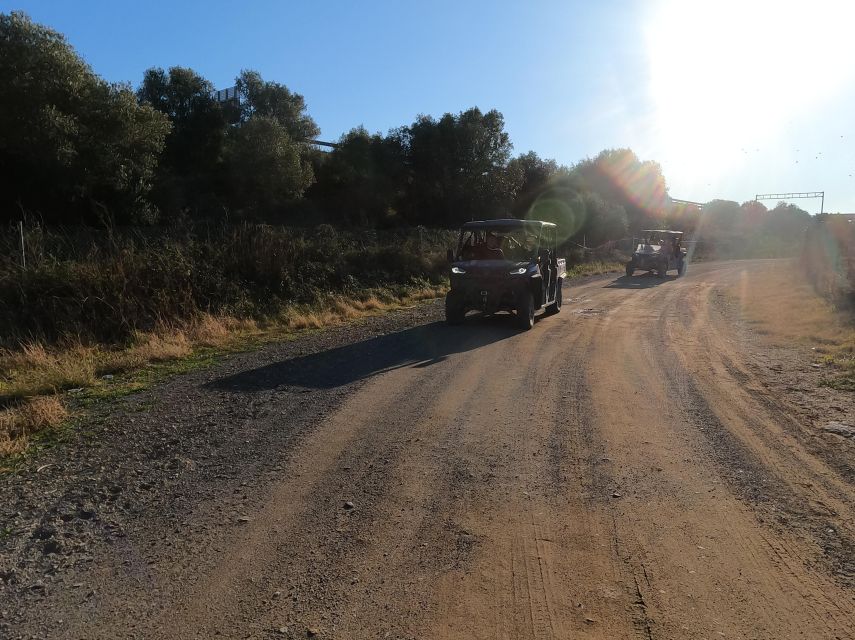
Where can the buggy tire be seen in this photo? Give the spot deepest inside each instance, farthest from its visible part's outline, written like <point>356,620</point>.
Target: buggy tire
<point>630,269</point>
<point>454,311</point>
<point>555,307</point>
<point>525,311</point>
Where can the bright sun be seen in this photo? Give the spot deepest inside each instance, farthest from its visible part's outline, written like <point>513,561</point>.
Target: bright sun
<point>716,67</point>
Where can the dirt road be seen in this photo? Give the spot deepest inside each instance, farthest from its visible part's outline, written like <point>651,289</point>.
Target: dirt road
<point>632,468</point>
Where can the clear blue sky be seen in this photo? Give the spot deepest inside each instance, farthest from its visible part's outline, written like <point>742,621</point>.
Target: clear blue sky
<point>732,97</point>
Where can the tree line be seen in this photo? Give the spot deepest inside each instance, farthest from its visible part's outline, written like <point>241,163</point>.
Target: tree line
<point>77,149</point>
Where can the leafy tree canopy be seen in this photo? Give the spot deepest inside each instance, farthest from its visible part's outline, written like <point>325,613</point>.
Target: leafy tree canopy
<point>73,146</point>
<point>265,168</point>
<point>273,100</point>
<point>364,178</point>
<point>458,167</point>
<point>189,174</point>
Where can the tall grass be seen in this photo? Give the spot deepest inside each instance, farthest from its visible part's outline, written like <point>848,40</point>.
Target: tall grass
<point>104,287</point>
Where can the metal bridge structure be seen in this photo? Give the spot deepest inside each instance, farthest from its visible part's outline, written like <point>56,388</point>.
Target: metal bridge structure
<point>794,194</point>
<point>699,205</point>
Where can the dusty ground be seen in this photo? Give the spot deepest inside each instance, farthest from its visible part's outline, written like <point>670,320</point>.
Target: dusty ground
<point>643,465</point>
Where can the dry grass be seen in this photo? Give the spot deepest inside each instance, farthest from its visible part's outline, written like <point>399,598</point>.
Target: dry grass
<point>338,309</point>
<point>36,370</point>
<point>18,423</point>
<point>218,331</point>
<point>34,377</point>
<point>594,268</point>
<point>785,308</point>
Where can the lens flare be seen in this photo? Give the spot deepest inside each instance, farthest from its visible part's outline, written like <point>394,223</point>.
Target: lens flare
<point>640,182</point>
<point>561,206</point>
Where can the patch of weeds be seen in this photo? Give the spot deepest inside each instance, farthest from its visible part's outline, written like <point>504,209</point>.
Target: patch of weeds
<point>840,383</point>
<point>845,378</point>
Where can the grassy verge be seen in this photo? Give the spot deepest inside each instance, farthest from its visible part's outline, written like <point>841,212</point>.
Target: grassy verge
<point>783,306</point>
<point>43,388</point>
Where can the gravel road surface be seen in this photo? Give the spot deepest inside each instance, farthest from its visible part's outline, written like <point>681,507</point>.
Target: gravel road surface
<point>641,465</point>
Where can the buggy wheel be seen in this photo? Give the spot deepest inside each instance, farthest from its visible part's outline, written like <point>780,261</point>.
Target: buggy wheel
<point>525,312</point>
<point>454,311</point>
<point>630,269</point>
<point>663,270</point>
<point>555,307</point>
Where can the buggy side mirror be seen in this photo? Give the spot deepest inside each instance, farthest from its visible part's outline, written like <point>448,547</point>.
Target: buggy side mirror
<point>449,255</point>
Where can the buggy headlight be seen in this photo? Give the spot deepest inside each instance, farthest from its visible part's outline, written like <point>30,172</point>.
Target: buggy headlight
<point>518,272</point>
<point>457,270</point>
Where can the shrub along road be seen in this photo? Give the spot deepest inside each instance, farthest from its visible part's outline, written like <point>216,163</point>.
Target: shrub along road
<point>640,466</point>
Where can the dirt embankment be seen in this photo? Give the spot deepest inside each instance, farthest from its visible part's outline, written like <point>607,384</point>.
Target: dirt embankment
<point>642,465</point>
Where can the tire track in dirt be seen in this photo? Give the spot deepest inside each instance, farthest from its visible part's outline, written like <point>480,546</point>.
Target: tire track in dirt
<point>554,550</point>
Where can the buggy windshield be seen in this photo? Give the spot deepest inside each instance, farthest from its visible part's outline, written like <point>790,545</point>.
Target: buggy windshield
<point>656,241</point>
<point>516,245</point>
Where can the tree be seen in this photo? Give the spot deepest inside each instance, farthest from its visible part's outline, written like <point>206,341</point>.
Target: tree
<point>189,170</point>
<point>720,218</point>
<point>582,216</point>
<point>618,176</point>
<point>604,221</point>
<point>275,101</point>
<point>787,221</point>
<point>362,180</point>
<point>532,174</point>
<point>73,146</point>
<point>684,217</point>
<point>753,213</point>
<point>458,168</point>
<point>264,167</point>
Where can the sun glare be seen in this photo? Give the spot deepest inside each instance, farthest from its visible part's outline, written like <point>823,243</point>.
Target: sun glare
<point>715,68</point>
